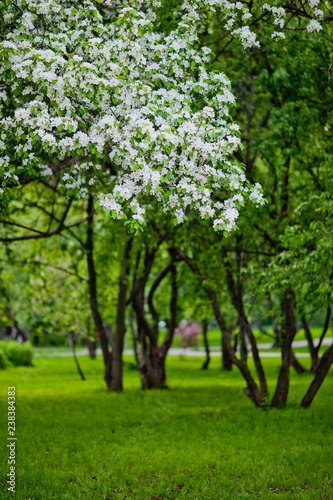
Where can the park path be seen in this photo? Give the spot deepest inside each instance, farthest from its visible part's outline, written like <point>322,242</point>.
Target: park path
<point>190,351</point>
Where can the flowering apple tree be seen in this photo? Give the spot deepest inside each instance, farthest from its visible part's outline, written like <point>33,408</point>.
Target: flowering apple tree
<point>96,93</point>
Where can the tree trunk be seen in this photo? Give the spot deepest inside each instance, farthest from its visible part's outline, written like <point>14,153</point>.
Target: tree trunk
<point>149,353</point>
<point>245,327</point>
<point>312,349</point>
<point>326,325</point>
<point>92,345</point>
<point>152,358</point>
<point>99,327</point>
<point>167,342</point>
<point>255,353</point>
<point>73,341</point>
<point>118,338</point>
<point>243,346</point>
<point>322,370</point>
<point>252,390</point>
<point>134,337</point>
<point>227,350</point>
<point>204,331</point>
<point>151,365</point>
<point>288,332</point>
<point>296,364</point>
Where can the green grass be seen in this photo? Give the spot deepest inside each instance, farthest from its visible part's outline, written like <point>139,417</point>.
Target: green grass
<point>201,439</point>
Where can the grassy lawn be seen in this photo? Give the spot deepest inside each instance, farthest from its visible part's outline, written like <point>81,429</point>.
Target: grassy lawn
<point>201,439</point>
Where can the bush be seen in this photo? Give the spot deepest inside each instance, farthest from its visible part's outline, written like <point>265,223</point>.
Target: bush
<point>18,354</point>
<point>49,339</point>
<point>4,361</point>
<point>188,333</point>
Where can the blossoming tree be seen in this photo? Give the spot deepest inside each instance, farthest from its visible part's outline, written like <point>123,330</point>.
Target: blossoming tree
<point>119,107</point>
<point>100,93</point>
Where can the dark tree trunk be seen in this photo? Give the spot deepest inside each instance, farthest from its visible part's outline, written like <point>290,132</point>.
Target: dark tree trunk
<point>325,328</point>
<point>243,346</point>
<point>255,353</point>
<point>99,327</point>
<point>227,350</point>
<point>149,352</point>
<point>322,370</point>
<point>134,337</point>
<point>92,346</point>
<point>152,358</point>
<point>288,332</point>
<point>167,342</point>
<point>204,332</point>
<point>252,390</point>
<point>245,328</point>
<point>312,349</point>
<point>73,341</point>
<point>296,364</point>
<point>118,339</point>
<point>288,325</point>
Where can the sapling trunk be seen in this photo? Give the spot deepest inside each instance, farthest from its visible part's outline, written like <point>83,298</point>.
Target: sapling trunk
<point>322,370</point>
<point>72,337</point>
<point>118,339</point>
<point>288,332</point>
<point>99,327</point>
<point>204,332</point>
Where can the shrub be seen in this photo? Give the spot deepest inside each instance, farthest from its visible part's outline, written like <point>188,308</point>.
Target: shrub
<point>188,333</point>
<point>4,361</point>
<point>18,354</point>
<point>50,339</point>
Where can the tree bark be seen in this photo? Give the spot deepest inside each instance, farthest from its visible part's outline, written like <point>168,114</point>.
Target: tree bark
<point>229,358</point>
<point>322,370</point>
<point>118,338</point>
<point>288,332</point>
<point>296,364</point>
<point>72,335</point>
<point>152,357</point>
<point>149,353</point>
<point>134,338</point>
<point>99,327</point>
<point>245,328</point>
<point>312,349</point>
<point>204,331</point>
<point>227,350</point>
<point>325,328</point>
<point>91,344</point>
<point>167,342</point>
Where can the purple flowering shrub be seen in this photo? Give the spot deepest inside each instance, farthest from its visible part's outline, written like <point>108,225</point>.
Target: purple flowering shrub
<point>188,333</point>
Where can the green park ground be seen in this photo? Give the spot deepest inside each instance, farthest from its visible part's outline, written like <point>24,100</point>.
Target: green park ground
<point>202,438</point>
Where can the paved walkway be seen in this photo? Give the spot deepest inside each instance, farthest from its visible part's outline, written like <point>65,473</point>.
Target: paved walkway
<point>190,351</point>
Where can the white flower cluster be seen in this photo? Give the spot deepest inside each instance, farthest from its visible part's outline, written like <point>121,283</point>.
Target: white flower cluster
<point>137,112</point>
<point>314,26</point>
<point>279,15</point>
